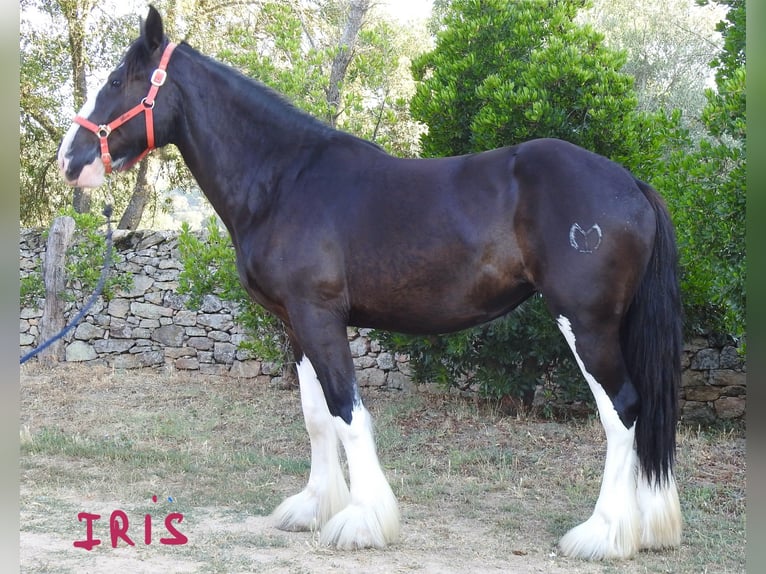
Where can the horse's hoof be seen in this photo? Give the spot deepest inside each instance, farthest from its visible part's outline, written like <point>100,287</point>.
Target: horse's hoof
<point>359,526</point>
<point>306,512</point>
<point>596,539</point>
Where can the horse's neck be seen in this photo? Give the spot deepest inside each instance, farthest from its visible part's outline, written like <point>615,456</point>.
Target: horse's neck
<point>232,165</point>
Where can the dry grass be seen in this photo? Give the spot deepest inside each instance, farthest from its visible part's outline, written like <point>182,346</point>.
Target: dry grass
<point>478,491</point>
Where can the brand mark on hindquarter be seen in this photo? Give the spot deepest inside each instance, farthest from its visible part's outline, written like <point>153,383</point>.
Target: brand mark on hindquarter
<point>585,241</point>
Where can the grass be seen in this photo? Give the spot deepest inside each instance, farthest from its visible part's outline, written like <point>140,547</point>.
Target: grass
<point>476,488</point>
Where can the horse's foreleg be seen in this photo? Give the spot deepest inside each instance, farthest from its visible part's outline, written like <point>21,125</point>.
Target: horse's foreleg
<point>326,492</point>
<point>372,517</point>
<point>614,528</point>
<point>369,517</point>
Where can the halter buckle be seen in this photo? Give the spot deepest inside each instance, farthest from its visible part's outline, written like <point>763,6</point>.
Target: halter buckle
<point>158,77</point>
<point>103,131</point>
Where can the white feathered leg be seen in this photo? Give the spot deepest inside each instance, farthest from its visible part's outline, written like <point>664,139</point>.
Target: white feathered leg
<point>372,517</point>
<point>660,513</point>
<point>326,492</point>
<point>614,528</point>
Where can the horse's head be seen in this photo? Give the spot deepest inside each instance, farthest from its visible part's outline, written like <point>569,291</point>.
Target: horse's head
<point>129,116</point>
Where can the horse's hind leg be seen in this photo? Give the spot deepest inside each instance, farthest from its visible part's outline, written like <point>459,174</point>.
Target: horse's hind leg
<point>614,528</point>
<point>660,513</point>
<point>326,492</point>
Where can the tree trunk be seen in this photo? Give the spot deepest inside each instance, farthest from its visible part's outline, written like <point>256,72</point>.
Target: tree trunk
<point>80,196</point>
<point>75,12</point>
<point>131,218</point>
<point>357,11</point>
<point>54,276</point>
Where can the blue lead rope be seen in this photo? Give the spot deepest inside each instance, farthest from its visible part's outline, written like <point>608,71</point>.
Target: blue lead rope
<point>99,287</point>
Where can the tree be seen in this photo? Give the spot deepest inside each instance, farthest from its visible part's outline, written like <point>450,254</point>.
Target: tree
<point>505,72</point>
<point>75,12</point>
<point>59,41</point>
<point>344,52</point>
<point>300,50</point>
<point>668,45</point>
<point>706,190</point>
<point>40,123</point>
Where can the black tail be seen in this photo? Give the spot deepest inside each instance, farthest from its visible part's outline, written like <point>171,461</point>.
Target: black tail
<point>652,343</point>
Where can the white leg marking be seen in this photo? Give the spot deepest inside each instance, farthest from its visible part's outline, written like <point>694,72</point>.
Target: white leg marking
<point>326,492</point>
<point>660,513</point>
<point>372,518</point>
<point>92,175</point>
<point>613,530</point>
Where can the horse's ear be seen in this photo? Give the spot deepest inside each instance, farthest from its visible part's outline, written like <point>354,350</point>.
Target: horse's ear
<point>153,33</point>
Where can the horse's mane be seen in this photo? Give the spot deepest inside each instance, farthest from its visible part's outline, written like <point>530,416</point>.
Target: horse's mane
<point>257,95</point>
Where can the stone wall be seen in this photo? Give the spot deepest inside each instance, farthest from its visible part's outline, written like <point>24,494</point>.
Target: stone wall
<point>714,382</point>
<point>150,326</point>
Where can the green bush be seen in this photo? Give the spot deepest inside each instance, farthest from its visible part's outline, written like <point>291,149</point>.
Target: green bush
<point>510,356</point>
<point>84,264</point>
<point>31,289</point>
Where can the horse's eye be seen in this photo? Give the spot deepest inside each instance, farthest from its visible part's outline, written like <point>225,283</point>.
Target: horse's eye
<point>116,83</point>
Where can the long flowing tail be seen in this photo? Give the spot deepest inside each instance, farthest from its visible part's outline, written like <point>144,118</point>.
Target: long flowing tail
<point>652,343</point>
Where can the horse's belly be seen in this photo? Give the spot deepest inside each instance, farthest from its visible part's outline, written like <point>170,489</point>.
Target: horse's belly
<point>439,308</point>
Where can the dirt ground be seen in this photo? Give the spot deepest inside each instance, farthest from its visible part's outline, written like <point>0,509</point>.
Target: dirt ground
<point>440,545</point>
<point>478,492</point>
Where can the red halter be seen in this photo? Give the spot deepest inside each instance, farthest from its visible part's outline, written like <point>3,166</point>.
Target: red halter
<point>146,105</point>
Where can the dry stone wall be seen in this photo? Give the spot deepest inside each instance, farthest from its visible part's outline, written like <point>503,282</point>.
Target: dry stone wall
<point>714,382</point>
<point>149,325</point>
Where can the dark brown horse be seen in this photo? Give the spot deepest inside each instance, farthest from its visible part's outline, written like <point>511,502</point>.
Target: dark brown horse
<point>331,231</point>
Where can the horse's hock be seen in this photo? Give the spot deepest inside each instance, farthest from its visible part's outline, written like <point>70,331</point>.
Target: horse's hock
<point>150,326</point>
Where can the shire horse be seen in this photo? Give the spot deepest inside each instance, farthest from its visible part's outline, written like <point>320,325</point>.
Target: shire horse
<point>331,231</point>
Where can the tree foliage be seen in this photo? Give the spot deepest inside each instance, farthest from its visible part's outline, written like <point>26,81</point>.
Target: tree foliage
<point>504,72</point>
<point>668,45</point>
<point>706,190</point>
<point>293,48</point>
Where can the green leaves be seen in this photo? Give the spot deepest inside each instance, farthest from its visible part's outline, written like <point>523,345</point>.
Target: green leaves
<point>290,47</point>
<point>706,190</point>
<point>504,72</point>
